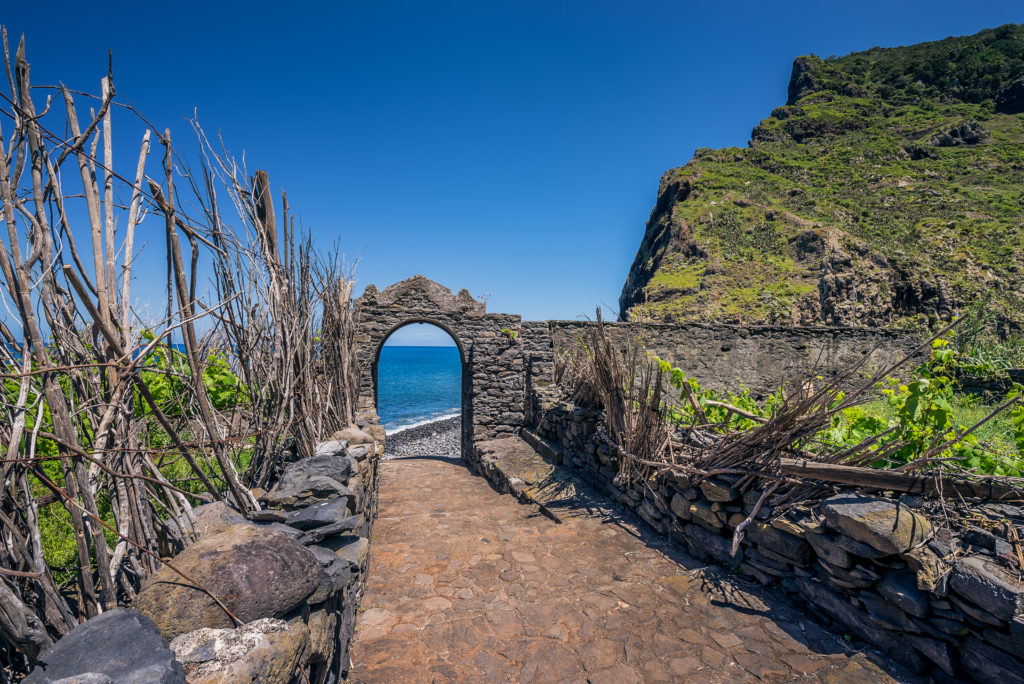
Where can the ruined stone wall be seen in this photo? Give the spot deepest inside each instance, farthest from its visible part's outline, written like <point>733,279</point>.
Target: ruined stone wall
<point>761,358</point>
<point>493,362</point>
<point>948,602</point>
<point>508,364</point>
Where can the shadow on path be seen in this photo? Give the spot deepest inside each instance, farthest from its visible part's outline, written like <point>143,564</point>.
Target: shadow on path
<point>468,585</point>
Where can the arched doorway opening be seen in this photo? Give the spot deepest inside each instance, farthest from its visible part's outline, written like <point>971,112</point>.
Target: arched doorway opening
<point>420,383</point>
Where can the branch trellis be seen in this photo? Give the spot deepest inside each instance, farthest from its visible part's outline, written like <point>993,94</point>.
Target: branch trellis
<point>85,369</point>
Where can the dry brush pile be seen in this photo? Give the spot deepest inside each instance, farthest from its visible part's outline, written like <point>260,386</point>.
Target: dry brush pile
<point>788,455</point>
<point>117,417</point>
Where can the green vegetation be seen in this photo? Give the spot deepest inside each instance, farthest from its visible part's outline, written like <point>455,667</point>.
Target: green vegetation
<point>166,373</point>
<point>981,353</point>
<point>910,419</point>
<point>898,172</point>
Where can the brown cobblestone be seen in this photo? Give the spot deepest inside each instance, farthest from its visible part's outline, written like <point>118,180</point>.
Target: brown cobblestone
<point>600,600</point>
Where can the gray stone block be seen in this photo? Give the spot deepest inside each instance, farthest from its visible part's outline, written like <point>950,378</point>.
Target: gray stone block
<point>901,589</point>
<point>989,586</point>
<point>879,523</point>
<point>122,645</point>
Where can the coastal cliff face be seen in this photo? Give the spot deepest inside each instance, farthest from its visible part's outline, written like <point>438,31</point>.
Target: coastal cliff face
<point>887,191</point>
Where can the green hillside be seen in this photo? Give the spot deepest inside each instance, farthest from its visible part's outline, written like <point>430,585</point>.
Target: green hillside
<point>888,191</point>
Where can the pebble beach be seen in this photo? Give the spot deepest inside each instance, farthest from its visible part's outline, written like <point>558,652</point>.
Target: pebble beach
<point>437,438</point>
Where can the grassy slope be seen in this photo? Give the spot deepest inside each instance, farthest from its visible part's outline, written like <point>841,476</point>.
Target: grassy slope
<point>849,164</point>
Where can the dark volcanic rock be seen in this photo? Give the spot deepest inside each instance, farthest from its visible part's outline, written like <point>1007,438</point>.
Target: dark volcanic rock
<point>318,534</point>
<point>714,545</point>
<point>336,573</point>
<point>881,524</point>
<point>439,438</point>
<point>901,589</point>
<point>968,133</point>
<point>311,480</point>
<point>987,664</point>
<point>255,572</point>
<point>840,609</point>
<point>353,550</point>
<point>324,513</point>
<point>989,586</point>
<point>121,645</point>
<point>801,80</point>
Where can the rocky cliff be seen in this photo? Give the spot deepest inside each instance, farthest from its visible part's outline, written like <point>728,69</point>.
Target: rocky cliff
<point>887,191</point>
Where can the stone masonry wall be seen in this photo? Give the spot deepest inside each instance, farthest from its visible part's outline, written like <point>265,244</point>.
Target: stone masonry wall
<point>761,358</point>
<point>493,364</point>
<point>948,604</point>
<point>508,364</point>
<point>292,573</point>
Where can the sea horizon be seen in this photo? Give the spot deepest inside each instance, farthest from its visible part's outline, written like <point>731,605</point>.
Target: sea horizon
<point>418,384</point>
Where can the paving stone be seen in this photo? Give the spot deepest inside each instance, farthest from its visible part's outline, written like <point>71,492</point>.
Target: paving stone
<point>607,602</point>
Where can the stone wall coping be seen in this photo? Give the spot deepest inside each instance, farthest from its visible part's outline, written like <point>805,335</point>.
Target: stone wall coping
<point>737,327</point>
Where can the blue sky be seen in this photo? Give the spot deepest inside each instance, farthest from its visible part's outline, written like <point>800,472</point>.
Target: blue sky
<point>513,149</point>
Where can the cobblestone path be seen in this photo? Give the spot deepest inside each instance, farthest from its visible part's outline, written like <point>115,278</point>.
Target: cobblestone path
<point>468,585</point>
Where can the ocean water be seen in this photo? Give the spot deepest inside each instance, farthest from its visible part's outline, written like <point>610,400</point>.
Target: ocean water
<point>417,385</point>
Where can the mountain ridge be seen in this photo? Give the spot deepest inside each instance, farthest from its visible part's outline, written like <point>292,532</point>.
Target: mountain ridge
<point>887,191</point>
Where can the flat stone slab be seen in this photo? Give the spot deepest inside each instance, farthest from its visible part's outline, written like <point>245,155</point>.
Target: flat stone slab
<point>555,488</point>
<point>989,586</point>
<point>884,525</point>
<point>311,480</point>
<point>466,584</point>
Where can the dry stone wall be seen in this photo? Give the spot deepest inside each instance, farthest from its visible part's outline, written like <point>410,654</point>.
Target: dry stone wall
<point>883,570</point>
<point>292,573</point>
<point>760,358</point>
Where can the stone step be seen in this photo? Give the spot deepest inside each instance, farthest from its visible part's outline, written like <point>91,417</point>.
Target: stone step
<point>549,451</point>
<point>515,466</point>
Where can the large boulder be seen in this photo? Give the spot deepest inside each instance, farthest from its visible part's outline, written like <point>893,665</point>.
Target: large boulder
<point>121,645</point>
<point>267,651</point>
<point>989,586</point>
<point>312,480</point>
<point>881,524</point>
<point>256,573</point>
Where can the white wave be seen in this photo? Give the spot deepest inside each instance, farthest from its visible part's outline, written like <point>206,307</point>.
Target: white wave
<point>428,421</point>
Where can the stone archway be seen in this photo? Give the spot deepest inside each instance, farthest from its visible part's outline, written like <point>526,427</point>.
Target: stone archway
<point>380,346</point>
<point>494,364</point>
